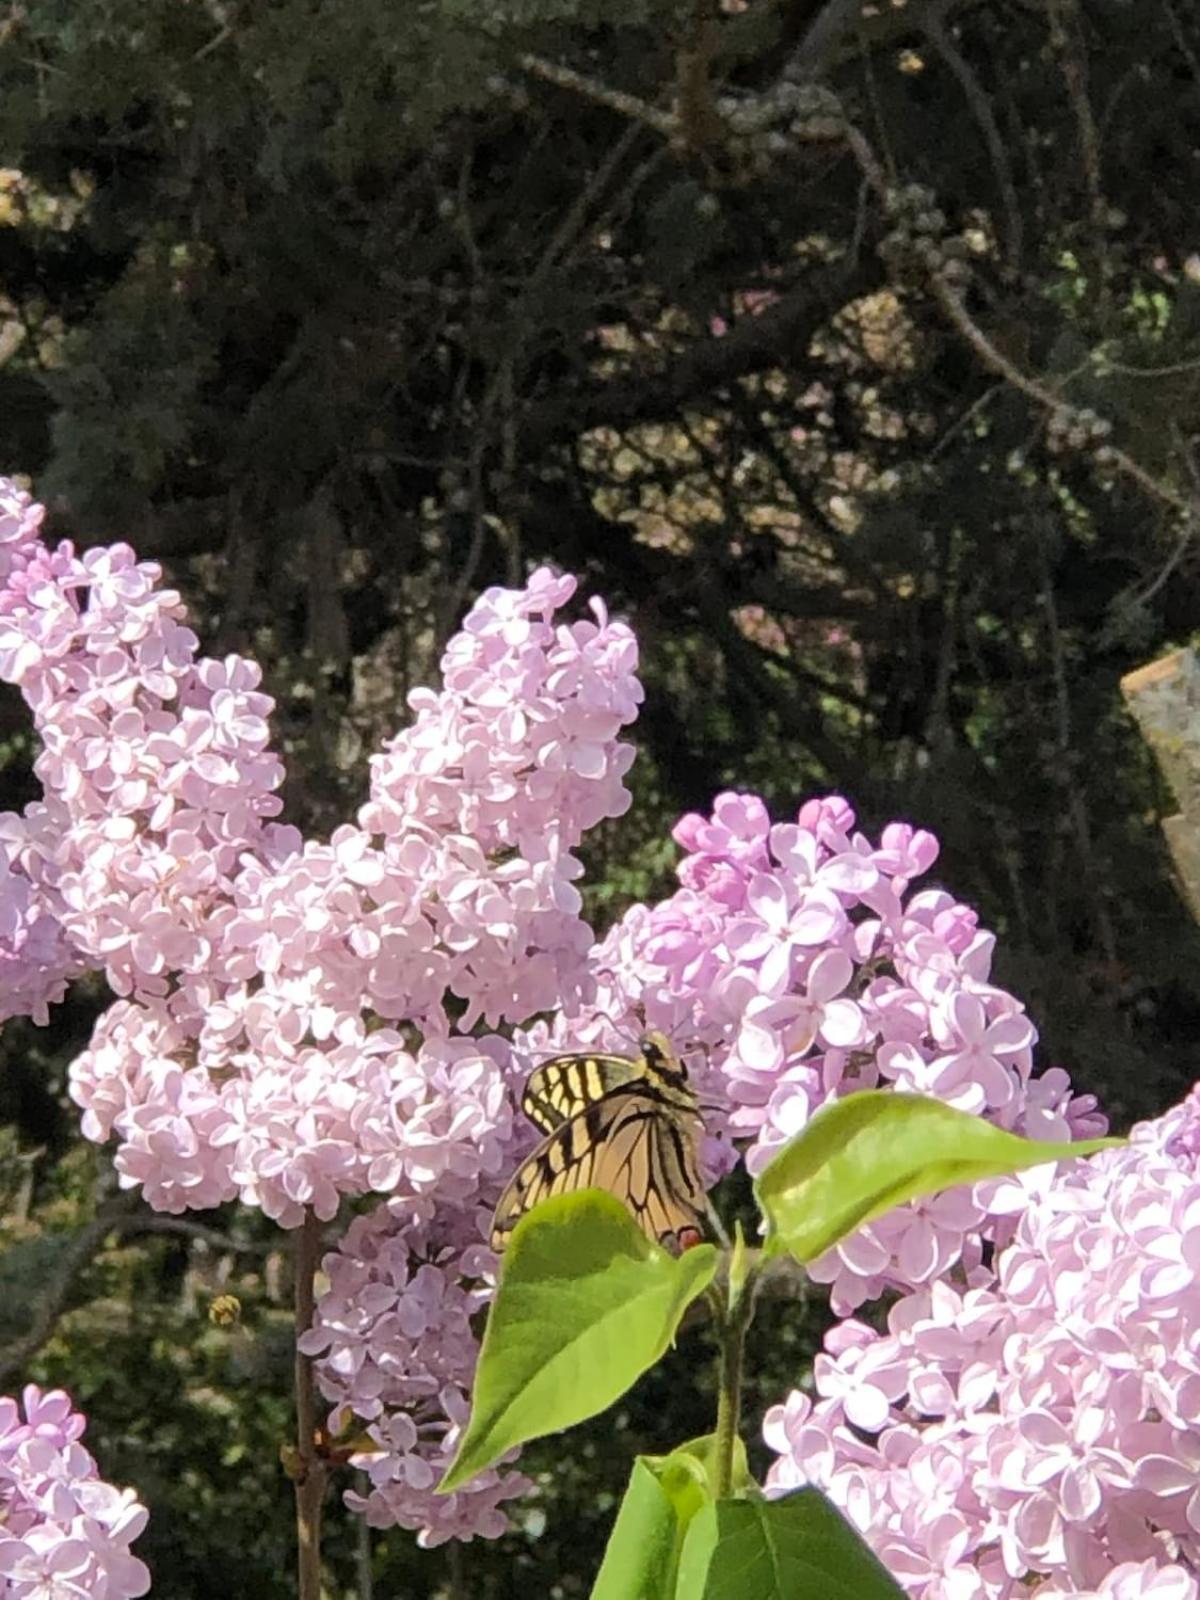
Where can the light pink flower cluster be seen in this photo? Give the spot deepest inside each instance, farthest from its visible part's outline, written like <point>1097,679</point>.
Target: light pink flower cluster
<point>287,1122</point>
<point>1042,1422</point>
<point>37,960</point>
<point>394,1334</point>
<point>63,1531</point>
<point>267,1075</point>
<point>21,519</point>
<point>154,767</point>
<point>799,962</point>
<point>295,1018</point>
<point>248,1057</point>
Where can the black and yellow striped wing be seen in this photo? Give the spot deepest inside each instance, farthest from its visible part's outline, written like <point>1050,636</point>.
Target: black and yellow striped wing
<point>559,1090</point>
<point>631,1126</point>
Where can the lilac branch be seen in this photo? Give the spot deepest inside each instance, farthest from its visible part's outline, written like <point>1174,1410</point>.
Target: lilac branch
<point>310,1469</point>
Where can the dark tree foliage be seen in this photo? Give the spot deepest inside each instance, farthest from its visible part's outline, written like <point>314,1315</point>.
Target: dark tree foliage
<point>852,351</point>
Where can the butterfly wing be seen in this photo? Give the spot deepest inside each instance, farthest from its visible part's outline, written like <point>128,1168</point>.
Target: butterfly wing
<point>633,1142</point>
<point>678,1197</point>
<point>560,1089</point>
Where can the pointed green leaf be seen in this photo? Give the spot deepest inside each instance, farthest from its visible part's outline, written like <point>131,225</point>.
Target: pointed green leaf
<point>664,1494</point>
<point>739,1264</point>
<point>863,1155</point>
<point>643,1549</point>
<point>797,1548</point>
<point>586,1303</point>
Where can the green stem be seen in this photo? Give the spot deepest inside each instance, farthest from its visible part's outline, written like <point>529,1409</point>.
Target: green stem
<point>733,1319</point>
<point>310,1476</point>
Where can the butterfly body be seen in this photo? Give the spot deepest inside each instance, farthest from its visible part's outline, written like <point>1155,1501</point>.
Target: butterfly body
<point>630,1125</point>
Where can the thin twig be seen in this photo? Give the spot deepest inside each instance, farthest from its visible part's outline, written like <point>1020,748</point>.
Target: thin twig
<point>77,1256</point>
<point>573,222</point>
<point>1185,50</point>
<point>627,105</point>
<point>1173,369</point>
<point>854,252</point>
<point>868,72</point>
<point>951,303</point>
<point>310,1471</point>
<point>215,43</point>
<point>1064,28</point>
<point>1186,534</point>
<point>981,109</point>
<point>1073,792</point>
<point>961,421</point>
<point>869,163</point>
<point>825,32</point>
<point>153,1222</point>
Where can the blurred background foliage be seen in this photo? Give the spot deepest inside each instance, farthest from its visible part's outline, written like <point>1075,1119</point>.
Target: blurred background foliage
<point>345,310</point>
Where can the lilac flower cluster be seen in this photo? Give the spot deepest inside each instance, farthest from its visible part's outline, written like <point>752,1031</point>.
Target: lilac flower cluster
<point>37,960</point>
<point>397,1351</point>
<point>800,963</point>
<point>294,1021</point>
<point>63,1531</point>
<point>302,1021</point>
<point>246,1057</point>
<point>1036,1431</point>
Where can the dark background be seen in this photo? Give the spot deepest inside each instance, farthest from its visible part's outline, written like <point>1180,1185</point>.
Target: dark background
<point>345,310</point>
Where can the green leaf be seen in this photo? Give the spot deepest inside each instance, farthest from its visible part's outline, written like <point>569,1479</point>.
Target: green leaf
<point>798,1548</point>
<point>643,1548</point>
<point>863,1155</point>
<point>739,1264</point>
<point>696,1460</point>
<point>665,1493</point>
<point>586,1303</point>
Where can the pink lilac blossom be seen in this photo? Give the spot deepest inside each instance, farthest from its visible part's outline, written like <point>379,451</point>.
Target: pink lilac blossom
<point>1036,1429</point>
<point>797,963</point>
<point>63,1531</point>
<point>397,1351</point>
<point>262,1045</point>
<point>291,1018</point>
<point>154,768</point>
<point>37,960</point>
<point>21,518</point>
<point>295,1019</point>
<point>267,1074</point>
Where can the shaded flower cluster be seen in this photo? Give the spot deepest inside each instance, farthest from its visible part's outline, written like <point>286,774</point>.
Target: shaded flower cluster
<point>799,963</point>
<point>63,1531</point>
<point>397,1351</point>
<point>1035,1432</point>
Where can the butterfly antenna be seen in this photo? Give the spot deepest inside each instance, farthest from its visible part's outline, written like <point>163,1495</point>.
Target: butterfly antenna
<point>696,1046</point>
<point>621,1029</point>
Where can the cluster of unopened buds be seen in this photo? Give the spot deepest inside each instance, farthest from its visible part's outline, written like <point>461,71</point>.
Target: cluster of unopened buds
<point>919,239</point>
<point>766,126</point>
<point>1079,428</point>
